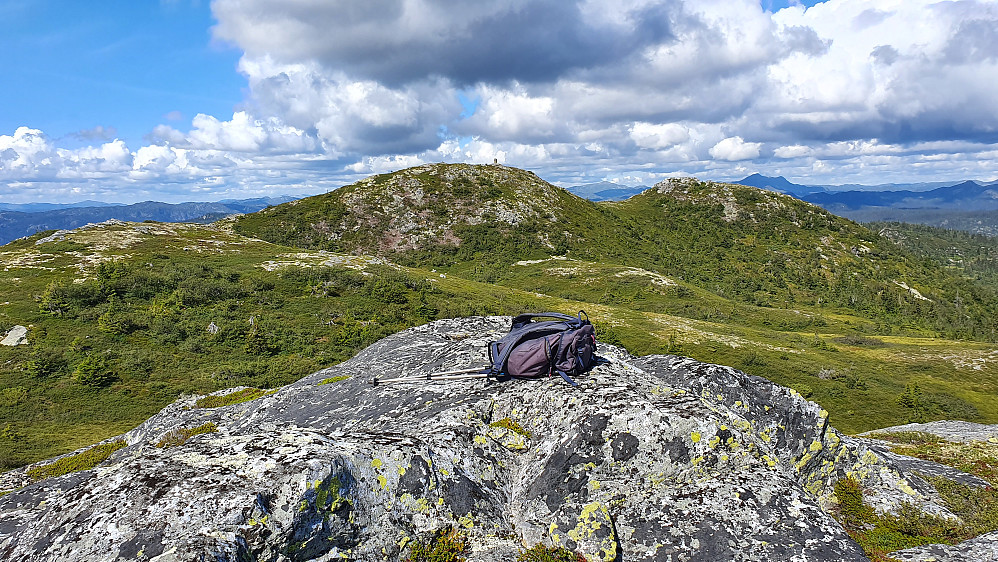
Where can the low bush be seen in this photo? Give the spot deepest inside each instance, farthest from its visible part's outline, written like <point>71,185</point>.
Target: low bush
<point>445,546</point>
<point>177,437</point>
<point>74,463</point>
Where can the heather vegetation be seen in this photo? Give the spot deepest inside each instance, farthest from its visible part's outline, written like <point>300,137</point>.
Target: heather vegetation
<point>125,318</point>
<point>976,507</point>
<point>117,333</point>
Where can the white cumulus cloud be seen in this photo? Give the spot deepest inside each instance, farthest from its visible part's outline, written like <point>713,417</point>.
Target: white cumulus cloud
<point>657,136</point>
<point>735,148</point>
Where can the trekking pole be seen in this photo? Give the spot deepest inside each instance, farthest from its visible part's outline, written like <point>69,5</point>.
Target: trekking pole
<point>377,381</point>
<point>629,366</point>
<point>443,375</point>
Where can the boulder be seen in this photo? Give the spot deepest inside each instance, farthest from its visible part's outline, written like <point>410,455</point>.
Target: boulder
<point>18,335</point>
<point>657,458</point>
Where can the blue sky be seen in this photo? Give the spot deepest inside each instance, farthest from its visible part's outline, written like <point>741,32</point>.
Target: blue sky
<point>197,100</point>
<point>777,5</point>
<point>128,66</point>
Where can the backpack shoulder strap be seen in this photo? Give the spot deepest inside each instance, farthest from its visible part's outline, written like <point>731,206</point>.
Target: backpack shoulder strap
<point>521,320</point>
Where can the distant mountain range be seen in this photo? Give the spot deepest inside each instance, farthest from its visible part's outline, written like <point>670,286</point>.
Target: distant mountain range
<point>780,184</point>
<point>967,205</point>
<point>23,220</point>
<point>606,191</point>
<point>41,207</point>
<point>966,196</point>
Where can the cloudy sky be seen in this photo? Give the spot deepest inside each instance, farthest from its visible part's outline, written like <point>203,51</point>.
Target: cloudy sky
<point>196,100</point>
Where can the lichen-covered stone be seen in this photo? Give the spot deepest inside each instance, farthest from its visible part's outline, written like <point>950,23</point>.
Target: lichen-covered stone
<point>658,458</point>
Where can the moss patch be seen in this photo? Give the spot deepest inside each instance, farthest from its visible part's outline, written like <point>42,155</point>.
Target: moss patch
<point>977,458</point>
<point>444,546</point>
<point>238,397</point>
<point>328,497</point>
<point>178,437</point>
<point>541,553</point>
<point>75,463</point>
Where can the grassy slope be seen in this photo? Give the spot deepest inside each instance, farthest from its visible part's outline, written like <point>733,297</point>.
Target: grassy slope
<point>142,318</point>
<point>818,302</point>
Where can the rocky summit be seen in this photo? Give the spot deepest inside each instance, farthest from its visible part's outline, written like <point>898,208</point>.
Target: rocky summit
<point>651,458</point>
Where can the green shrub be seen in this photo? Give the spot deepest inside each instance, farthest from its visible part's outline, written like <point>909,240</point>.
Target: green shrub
<point>879,534</point>
<point>54,300</point>
<point>977,507</point>
<point>852,512</point>
<point>12,396</point>
<point>257,343</point>
<point>177,437</point>
<point>111,322</point>
<point>94,371</point>
<point>805,390</point>
<point>911,400</point>
<point>445,546</point>
<point>43,363</point>
<point>75,463</point>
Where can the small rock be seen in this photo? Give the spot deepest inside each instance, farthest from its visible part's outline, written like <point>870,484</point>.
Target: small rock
<point>18,335</point>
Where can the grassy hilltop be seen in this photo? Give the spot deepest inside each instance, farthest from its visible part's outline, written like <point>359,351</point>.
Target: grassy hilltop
<point>124,317</point>
<point>739,243</point>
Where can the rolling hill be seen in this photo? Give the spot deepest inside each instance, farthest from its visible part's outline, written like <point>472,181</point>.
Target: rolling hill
<point>737,242</point>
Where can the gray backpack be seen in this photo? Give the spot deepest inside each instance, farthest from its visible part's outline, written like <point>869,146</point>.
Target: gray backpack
<point>532,349</point>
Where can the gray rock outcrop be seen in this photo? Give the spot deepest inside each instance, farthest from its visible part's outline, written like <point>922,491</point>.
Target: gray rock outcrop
<point>951,430</point>
<point>18,335</point>
<point>981,549</point>
<point>658,458</point>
